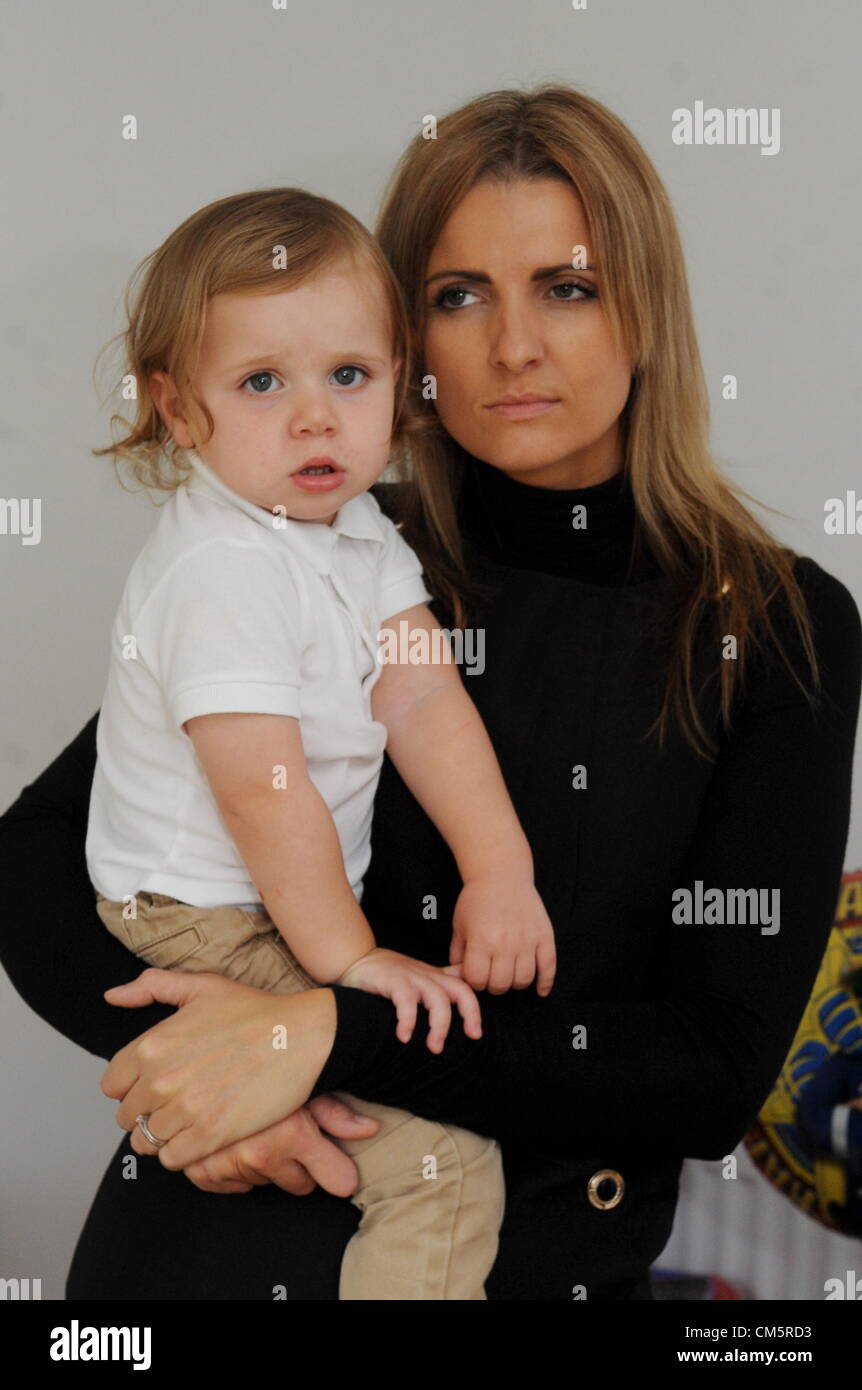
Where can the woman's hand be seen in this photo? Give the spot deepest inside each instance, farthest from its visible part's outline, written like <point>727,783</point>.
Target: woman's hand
<point>232,1061</point>
<point>294,1154</point>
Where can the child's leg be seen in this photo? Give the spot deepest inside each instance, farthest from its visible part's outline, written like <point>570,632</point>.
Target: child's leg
<point>431,1195</point>
<point>432,1198</point>
<point>227,941</point>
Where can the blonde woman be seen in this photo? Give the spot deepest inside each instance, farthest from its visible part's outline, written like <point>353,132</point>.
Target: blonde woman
<point>672,696</point>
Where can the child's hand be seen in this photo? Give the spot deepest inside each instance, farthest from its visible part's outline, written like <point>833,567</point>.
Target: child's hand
<point>502,935</point>
<point>408,983</point>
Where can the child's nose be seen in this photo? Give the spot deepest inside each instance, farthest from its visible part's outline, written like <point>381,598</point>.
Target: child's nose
<point>311,412</point>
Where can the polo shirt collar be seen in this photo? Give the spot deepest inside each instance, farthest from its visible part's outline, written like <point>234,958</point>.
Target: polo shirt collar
<point>359,517</point>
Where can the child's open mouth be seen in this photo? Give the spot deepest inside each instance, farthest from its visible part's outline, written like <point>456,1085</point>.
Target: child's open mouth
<point>319,475</point>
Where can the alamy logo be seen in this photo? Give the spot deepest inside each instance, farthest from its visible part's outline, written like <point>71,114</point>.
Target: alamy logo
<point>727,906</point>
<point>437,647</point>
<point>20,1289</point>
<point>76,1343</point>
<point>736,126</point>
<point>21,516</point>
<point>847,1288</point>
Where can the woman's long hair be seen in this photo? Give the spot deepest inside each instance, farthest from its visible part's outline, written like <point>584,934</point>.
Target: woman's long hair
<point>719,560</point>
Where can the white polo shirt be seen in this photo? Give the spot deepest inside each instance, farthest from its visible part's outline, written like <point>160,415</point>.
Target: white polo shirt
<point>228,608</point>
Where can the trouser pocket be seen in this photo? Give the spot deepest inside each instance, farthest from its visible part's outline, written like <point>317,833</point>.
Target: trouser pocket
<point>165,933</point>
<point>229,941</point>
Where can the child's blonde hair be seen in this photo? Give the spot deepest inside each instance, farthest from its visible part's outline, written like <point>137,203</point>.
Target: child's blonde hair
<point>232,245</point>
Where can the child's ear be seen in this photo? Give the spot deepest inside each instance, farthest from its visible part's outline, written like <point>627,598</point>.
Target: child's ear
<point>396,369</point>
<point>166,399</point>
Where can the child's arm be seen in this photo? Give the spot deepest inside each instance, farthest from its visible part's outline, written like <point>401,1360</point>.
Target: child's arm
<point>290,846</point>
<point>441,748</point>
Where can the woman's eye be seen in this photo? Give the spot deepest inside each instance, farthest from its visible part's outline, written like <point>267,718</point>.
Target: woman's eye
<point>347,376</point>
<point>444,300</point>
<point>583,290</point>
<point>257,378</point>
<point>456,296</point>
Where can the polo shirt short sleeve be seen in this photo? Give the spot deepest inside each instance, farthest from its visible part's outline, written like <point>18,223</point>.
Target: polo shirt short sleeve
<point>401,584</point>
<point>222,632</point>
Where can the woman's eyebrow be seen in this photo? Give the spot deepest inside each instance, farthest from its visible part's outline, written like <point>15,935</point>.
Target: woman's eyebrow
<point>484,279</point>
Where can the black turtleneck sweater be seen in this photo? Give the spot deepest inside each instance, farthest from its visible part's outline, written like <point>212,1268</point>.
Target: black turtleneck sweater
<point>531,528</point>
<point>660,1040</point>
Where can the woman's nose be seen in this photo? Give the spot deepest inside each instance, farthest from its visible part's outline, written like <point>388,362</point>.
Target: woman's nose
<point>515,340</point>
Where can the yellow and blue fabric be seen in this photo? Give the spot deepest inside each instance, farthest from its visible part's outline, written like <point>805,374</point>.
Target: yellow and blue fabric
<point>807,1139</point>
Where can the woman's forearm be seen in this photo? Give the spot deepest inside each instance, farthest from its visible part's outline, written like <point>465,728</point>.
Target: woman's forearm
<point>53,944</point>
<point>651,1074</point>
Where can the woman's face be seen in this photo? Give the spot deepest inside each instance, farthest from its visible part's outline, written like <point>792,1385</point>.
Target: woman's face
<point>508,316</point>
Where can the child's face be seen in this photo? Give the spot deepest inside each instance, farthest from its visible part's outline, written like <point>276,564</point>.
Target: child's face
<point>304,375</point>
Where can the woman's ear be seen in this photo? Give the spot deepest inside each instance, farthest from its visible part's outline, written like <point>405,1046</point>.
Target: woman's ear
<point>166,399</point>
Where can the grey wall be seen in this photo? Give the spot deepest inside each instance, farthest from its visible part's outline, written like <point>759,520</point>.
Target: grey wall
<point>231,95</point>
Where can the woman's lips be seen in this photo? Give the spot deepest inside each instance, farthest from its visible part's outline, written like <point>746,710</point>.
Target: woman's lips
<point>523,408</point>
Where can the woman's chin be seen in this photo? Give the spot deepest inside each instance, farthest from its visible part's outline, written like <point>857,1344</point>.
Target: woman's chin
<point>527,456</point>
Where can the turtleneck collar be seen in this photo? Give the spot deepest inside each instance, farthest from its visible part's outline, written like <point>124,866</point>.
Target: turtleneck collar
<point>527,527</point>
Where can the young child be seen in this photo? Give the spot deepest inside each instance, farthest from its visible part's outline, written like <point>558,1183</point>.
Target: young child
<point>242,732</point>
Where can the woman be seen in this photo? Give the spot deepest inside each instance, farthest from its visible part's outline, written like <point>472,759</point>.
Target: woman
<point>673,698</point>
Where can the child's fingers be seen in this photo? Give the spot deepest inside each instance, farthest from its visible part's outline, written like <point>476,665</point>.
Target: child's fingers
<point>436,1001</point>
<point>467,1004</point>
<point>405,999</point>
<point>501,973</point>
<point>477,966</point>
<point>546,961</point>
<point>525,969</point>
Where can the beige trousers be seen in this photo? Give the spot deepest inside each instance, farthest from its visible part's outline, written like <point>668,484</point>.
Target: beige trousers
<point>431,1195</point>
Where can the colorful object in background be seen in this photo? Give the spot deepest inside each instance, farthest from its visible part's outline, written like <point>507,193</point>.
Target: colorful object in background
<point>673,1285</point>
<point>807,1139</point>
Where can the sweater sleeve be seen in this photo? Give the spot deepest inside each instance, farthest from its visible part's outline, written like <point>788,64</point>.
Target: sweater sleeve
<point>686,1070</point>
<point>53,944</point>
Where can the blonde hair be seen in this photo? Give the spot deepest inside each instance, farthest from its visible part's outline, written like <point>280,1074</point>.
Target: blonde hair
<point>230,246</point>
<point>718,558</point>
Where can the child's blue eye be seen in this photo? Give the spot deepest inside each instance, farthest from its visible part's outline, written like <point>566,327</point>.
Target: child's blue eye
<point>257,377</point>
<point>349,372</point>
